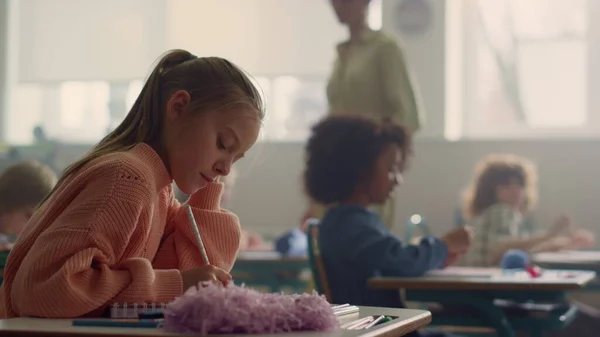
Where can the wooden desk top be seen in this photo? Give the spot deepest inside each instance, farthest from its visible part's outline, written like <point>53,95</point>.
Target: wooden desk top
<point>589,259</point>
<point>461,278</point>
<point>408,320</point>
<point>267,256</point>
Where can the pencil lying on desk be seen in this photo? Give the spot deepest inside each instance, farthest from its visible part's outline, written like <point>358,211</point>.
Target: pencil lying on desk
<point>352,325</point>
<point>344,309</point>
<point>197,234</point>
<point>377,320</point>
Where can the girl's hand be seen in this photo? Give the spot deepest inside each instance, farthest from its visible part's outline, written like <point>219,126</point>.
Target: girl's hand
<point>581,239</point>
<point>191,278</point>
<point>562,225</point>
<point>453,259</point>
<point>458,240</point>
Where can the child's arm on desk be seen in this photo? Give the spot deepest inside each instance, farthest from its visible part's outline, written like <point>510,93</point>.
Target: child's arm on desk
<point>75,266</point>
<point>497,249</point>
<point>374,249</point>
<point>550,240</point>
<point>578,239</point>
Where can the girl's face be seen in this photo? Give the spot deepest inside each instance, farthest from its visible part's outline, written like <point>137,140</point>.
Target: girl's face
<point>512,194</point>
<point>387,174</point>
<point>201,147</point>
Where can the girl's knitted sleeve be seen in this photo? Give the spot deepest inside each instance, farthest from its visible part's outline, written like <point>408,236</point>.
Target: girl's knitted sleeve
<point>75,266</point>
<point>219,230</point>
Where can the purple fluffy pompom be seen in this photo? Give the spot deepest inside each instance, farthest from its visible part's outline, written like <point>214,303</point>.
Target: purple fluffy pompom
<point>233,309</point>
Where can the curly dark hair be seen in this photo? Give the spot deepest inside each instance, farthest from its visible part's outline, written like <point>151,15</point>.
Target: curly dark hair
<point>342,151</point>
<point>493,171</point>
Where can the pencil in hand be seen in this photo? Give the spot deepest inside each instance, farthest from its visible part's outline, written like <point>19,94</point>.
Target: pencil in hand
<point>197,234</point>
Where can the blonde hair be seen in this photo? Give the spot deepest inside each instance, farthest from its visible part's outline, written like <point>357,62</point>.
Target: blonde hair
<point>494,171</point>
<point>213,83</point>
<point>25,184</point>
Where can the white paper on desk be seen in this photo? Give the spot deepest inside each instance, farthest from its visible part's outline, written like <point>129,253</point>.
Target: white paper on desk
<point>548,275</point>
<point>569,256</point>
<point>464,272</point>
<point>259,255</point>
<point>516,276</point>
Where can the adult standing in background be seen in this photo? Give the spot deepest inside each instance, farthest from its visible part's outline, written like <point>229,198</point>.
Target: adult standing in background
<point>371,77</point>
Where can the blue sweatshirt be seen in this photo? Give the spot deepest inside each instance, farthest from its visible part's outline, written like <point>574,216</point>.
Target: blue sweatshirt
<point>355,246</point>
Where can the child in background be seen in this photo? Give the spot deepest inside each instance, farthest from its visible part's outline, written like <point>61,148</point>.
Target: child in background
<point>503,191</point>
<point>111,230</point>
<point>354,162</point>
<point>22,187</point>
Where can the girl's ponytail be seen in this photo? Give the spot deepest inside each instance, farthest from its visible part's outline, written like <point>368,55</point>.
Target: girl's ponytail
<point>212,82</point>
<point>141,124</point>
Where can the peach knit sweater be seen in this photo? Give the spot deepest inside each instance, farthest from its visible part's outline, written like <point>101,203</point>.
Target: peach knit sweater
<point>113,232</point>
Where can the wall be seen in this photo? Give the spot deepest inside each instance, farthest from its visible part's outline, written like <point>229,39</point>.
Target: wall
<point>268,194</point>
<point>432,186</point>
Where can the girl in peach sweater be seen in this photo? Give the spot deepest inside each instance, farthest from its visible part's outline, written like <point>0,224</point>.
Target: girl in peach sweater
<point>111,231</point>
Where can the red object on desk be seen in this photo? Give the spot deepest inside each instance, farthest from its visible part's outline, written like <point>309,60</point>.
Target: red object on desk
<point>534,271</point>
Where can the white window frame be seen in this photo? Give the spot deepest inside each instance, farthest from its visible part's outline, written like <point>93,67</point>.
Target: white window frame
<point>471,128</point>
<point>272,112</point>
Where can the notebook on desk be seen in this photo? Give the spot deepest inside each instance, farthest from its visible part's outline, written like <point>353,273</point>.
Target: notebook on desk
<point>344,309</point>
<point>133,310</point>
<point>464,272</point>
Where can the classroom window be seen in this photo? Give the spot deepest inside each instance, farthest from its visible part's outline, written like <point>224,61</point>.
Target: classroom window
<point>70,112</point>
<point>527,69</point>
<point>296,104</point>
<point>83,110</point>
<point>79,111</point>
<point>24,113</point>
<point>135,87</point>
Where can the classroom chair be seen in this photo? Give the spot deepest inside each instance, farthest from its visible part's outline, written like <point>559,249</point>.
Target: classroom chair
<point>317,266</point>
<point>3,257</point>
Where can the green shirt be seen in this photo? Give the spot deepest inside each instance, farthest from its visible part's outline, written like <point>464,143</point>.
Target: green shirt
<point>496,223</point>
<point>371,77</point>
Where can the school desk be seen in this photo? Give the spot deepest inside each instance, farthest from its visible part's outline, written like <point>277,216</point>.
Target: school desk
<point>477,289</point>
<point>270,269</point>
<point>575,260</point>
<point>570,259</point>
<point>407,320</point>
